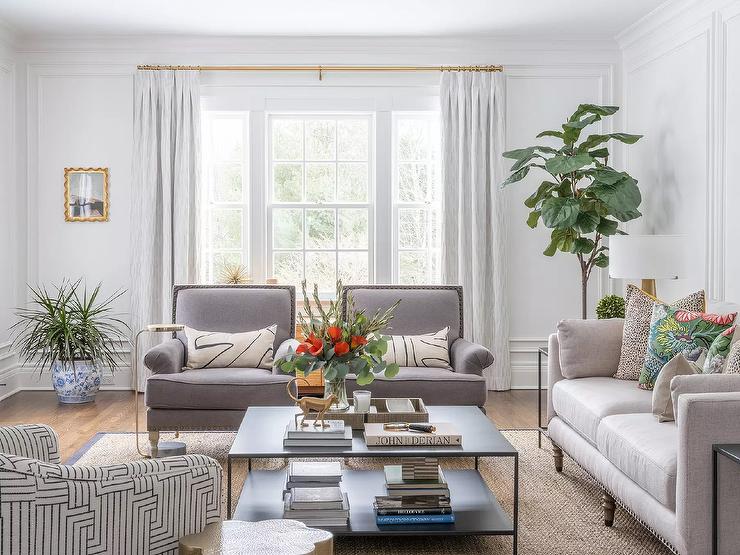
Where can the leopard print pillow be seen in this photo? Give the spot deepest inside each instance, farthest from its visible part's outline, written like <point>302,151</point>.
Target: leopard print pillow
<point>732,364</point>
<point>638,312</point>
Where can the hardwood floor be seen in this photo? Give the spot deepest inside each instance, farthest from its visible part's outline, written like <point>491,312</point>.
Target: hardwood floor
<point>113,411</point>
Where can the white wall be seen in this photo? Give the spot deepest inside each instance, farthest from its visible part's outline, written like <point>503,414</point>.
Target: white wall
<point>78,111</point>
<point>682,90</point>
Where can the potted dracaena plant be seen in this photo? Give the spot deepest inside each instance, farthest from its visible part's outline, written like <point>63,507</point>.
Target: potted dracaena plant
<point>338,342</point>
<point>72,332</point>
<point>583,199</point>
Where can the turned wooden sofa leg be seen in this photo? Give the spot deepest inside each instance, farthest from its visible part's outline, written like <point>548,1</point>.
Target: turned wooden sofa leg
<point>153,443</point>
<point>557,454</point>
<point>607,502</point>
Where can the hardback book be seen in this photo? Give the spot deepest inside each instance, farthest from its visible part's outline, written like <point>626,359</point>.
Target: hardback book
<point>314,512</point>
<point>429,511</point>
<point>314,471</point>
<point>333,427</point>
<point>316,498</point>
<point>319,440</point>
<point>383,520</point>
<point>323,523</point>
<point>443,491</point>
<point>411,501</point>
<point>446,435</point>
<point>395,480</point>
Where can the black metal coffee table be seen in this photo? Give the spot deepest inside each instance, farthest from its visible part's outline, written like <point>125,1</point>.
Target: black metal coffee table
<point>477,511</point>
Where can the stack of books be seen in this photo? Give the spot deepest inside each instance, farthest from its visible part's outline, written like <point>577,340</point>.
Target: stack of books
<point>313,494</point>
<point>335,434</point>
<point>417,494</point>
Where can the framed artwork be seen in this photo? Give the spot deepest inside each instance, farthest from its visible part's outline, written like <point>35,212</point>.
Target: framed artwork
<point>86,194</point>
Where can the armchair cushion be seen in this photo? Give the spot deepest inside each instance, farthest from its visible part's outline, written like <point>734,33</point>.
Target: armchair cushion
<point>33,441</point>
<point>469,358</point>
<point>589,348</point>
<point>166,358</point>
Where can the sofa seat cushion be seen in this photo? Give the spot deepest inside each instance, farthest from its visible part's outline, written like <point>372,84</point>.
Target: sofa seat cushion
<point>217,388</point>
<point>643,449</point>
<point>583,402</point>
<point>436,386</point>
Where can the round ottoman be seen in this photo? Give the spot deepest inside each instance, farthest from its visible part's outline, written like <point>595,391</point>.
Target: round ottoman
<point>268,537</point>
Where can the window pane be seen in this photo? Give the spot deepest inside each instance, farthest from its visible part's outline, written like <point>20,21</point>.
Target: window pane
<point>287,267</point>
<point>353,267</point>
<point>435,231</point>
<point>412,228</point>
<point>222,260</point>
<point>412,267</point>
<point>413,140</point>
<point>352,182</point>
<point>228,138</point>
<point>320,182</point>
<point>352,143</point>
<point>287,228</point>
<point>353,228</point>
<point>287,139</point>
<point>320,229</point>
<point>227,186</point>
<point>321,269</point>
<point>287,182</point>
<point>413,184</point>
<point>320,140</point>
<point>226,228</point>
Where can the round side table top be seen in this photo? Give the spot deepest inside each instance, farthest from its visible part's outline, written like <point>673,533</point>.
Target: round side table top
<point>268,537</point>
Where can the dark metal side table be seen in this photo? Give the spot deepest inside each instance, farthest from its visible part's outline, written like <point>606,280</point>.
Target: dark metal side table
<point>732,452</point>
<point>540,428</point>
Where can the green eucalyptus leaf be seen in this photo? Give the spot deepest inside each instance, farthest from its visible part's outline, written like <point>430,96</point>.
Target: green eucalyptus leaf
<point>559,212</point>
<point>330,372</point>
<point>567,164</point>
<point>342,369</point>
<point>516,176</point>
<point>533,218</point>
<point>366,378</point>
<point>391,371</point>
<point>607,227</point>
<point>587,221</point>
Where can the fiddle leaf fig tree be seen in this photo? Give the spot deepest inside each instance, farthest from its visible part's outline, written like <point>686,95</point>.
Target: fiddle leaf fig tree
<point>582,199</point>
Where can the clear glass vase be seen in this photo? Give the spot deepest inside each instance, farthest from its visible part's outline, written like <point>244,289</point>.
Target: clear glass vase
<point>339,390</point>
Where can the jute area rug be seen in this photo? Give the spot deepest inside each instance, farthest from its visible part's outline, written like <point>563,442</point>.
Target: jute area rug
<point>558,513</point>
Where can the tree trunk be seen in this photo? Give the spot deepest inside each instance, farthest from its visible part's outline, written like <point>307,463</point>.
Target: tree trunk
<point>584,296</point>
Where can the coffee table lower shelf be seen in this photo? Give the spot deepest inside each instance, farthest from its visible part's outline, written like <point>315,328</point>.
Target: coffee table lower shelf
<point>477,511</point>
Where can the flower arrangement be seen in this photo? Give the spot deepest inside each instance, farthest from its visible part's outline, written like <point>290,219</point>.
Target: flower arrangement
<point>339,344</point>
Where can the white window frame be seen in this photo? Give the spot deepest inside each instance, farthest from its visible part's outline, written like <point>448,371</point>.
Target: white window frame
<point>371,191</point>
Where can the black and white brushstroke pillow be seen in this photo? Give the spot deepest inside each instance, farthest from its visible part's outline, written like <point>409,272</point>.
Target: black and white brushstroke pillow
<point>429,350</point>
<point>214,349</point>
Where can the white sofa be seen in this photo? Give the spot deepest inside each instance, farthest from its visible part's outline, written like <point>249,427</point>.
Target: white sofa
<point>659,472</point>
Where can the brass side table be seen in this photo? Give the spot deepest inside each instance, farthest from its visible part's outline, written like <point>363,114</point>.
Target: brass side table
<point>267,537</point>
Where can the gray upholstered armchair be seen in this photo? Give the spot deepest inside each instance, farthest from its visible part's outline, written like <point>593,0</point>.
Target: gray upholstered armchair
<point>133,508</point>
<point>426,309</point>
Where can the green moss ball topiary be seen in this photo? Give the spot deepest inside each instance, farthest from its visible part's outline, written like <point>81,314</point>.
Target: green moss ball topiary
<point>611,306</point>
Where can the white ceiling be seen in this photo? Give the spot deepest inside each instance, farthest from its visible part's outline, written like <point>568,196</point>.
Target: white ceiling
<point>566,19</point>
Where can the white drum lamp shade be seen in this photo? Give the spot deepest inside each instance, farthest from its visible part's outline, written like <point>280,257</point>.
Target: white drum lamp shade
<point>646,257</point>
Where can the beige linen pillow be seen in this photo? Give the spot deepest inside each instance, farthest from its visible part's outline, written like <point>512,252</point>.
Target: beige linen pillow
<point>662,402</point>
<point>638,313</point>
<point>589,347</point>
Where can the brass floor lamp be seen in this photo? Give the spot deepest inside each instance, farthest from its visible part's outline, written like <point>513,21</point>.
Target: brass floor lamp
<point>164,448</point>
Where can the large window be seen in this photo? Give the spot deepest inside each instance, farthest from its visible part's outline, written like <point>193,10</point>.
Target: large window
<point>316,195</point>
<point>320,183</point>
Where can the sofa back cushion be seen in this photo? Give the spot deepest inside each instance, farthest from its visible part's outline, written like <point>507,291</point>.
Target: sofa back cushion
<point>423,309</point>
<point>235,308</point>
<point>589,348</point>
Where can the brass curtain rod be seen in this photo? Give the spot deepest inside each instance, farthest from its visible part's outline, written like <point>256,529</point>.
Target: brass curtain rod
<point>321,68</point>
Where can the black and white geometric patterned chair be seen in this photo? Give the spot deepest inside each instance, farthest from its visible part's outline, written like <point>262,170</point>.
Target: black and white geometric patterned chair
<point>140,508</point>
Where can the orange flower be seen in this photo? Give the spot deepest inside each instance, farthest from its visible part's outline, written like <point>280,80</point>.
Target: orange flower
<point>334,332</point>
<point>313,345</point>
<point>358,340</point>
<point>341,348</point>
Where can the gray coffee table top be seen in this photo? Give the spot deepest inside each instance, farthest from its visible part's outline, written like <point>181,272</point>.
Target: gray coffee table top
<point>261,436</point>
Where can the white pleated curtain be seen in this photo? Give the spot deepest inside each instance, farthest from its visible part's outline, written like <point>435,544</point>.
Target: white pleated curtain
<point>165,195</point>
<point>474,239</point>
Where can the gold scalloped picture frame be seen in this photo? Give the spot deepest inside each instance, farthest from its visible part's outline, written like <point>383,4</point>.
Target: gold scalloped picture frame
<point>86,194</point>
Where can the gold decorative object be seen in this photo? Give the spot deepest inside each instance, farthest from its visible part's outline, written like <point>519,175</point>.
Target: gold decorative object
<point>234,274</point>
<point>308,404</point>
<point>86,194</point>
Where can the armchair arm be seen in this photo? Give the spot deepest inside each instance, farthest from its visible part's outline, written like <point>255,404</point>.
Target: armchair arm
<point>32,441</point>
<point>282,350</point>
<point>554,374</point>
<point>469,358</point>
<point>166,358</point>
<point>704,419</point>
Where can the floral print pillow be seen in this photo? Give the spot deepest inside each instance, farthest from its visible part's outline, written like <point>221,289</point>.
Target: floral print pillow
<point>719,352</point>
<point>676,331</point>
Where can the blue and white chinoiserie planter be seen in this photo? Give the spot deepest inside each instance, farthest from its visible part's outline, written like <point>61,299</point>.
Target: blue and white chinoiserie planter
<point>78,383</point>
